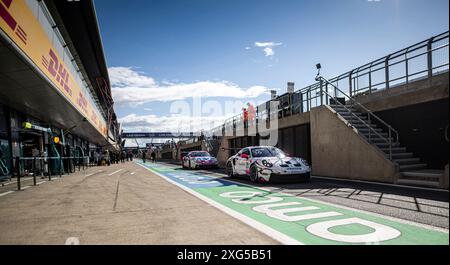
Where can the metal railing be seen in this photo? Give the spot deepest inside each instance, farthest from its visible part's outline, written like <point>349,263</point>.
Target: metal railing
<point>46,166</point>
<point>422,60</point>
<point>4,171</point>
<point>370,116</point>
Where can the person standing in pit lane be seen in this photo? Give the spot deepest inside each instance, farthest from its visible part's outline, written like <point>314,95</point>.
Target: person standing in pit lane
<point>107,157</point>
<point>144,153</point>
<point>153,155</point>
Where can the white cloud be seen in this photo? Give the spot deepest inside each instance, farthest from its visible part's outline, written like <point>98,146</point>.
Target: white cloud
<point>267,44</point>
<point>269,51</point>
<point>247,48</point>
<point>127,77</point>
<point>268,47</point>
<point>133,87</point>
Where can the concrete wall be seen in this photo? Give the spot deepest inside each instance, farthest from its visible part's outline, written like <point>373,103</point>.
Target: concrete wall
<point>223,155</point>
<point>198,145</point>
<point>413,93</point>
<point>422,130</point>
<point>167,154</point>
<point>201,146</point>
<point>286,122</point>
<point>339,151</point>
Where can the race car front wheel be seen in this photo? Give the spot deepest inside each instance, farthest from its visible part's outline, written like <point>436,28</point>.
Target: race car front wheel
<point>254,175</point>
<point>229,169</point>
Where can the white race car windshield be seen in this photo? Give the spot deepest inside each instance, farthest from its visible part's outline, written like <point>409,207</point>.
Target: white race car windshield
<point>200,154</point>
<point>267,152</point>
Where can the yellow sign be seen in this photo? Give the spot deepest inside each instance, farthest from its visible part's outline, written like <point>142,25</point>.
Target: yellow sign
<point>56,139</point>
<point>20,24</point>
<point>27,125</point>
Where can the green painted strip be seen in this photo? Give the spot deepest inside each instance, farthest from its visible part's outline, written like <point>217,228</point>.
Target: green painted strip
<point>297,230</point>
<point>308,231</point>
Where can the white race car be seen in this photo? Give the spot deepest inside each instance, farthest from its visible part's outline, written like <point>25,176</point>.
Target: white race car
<point>199,159</point>
<point>267,163</point>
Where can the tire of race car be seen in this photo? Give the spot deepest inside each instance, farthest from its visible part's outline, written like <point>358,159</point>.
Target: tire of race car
<point>309,177</point>
<point>254,173</point>
<point>229,170</point>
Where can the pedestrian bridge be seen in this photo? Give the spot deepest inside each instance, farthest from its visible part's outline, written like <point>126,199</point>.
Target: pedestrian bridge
<point>159,135</point>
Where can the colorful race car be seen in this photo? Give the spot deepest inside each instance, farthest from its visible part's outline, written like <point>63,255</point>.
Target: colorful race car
<point>267,163</point>
<point>199,159</point>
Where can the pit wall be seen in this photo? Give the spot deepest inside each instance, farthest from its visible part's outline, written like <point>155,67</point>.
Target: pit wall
<point>339,151</point>
<point>224,153</point>
<point>418,92</point>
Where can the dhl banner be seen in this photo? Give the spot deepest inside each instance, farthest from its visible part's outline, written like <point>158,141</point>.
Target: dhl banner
<point>19,23</point>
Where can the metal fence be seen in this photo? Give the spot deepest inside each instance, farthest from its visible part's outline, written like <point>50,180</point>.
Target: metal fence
<point>47,167</point>
<point>423,60</point>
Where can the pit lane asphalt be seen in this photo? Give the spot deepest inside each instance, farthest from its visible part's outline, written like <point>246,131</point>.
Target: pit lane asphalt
<point>425,206</point>
<point>119,204</point>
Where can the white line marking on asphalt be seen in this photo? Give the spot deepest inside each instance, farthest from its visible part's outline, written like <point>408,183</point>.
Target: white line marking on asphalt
<point>15,182</point>
<point>132,173</point>
<point>6,193</point>
<point>115,172</point>
<point>39,183</point>
<point>438,229</point>
<point>25,188</point>
<point>88,175</point>
<point>280,237</point>
<point>72,241</point>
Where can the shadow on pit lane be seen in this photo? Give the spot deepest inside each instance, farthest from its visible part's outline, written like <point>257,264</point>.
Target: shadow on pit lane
<point>396,197</point>
<point>374,193</point>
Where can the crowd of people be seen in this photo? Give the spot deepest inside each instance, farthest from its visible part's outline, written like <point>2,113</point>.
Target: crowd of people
<point>107,157</point>
<point>152,155</point>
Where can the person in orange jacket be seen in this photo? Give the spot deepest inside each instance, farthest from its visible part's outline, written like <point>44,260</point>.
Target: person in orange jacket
<point>245,113</point>
<point>251,112</point>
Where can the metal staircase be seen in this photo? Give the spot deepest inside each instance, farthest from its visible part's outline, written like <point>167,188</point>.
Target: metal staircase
<point>382,136</point>
<point>413,171</point>
<point>213,146</point>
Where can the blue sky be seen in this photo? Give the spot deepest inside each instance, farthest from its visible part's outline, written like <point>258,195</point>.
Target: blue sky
<point>159,52</point>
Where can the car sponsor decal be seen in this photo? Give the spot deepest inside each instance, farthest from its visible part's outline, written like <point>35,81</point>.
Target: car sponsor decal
<point>301,220</point>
